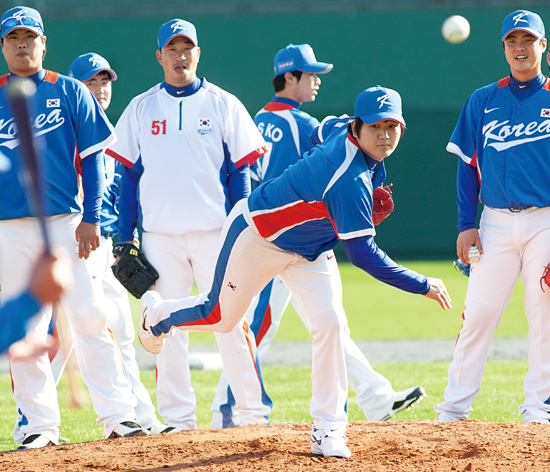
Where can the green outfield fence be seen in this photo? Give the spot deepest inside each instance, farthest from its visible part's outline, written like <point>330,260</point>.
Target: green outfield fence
<point>397,44</point>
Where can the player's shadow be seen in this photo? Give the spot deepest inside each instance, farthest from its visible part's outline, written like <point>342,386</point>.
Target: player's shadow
<point>231,461</point>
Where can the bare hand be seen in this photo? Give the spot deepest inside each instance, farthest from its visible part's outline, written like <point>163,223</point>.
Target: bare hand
<point>51,276</point>
<point>88,238</point>
<point>438,292</point>
<point>465,239</point>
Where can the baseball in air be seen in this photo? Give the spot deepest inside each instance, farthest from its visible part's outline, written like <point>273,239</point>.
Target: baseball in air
<point>473,254</point>
<point>455,29</point>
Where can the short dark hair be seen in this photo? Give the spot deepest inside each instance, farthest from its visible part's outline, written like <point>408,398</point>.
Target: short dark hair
<point>279,80</point>
<point>355,125</point>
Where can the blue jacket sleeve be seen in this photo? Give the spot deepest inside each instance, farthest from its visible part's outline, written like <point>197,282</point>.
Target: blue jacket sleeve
<point>365,254</point>
<point>14,315</point>
<point>93,181</point>
<point>128,204</point>
<point>467,195</point>
<point>239,184</point>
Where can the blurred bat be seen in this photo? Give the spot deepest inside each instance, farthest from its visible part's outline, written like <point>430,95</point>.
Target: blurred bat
<point>20,95</point>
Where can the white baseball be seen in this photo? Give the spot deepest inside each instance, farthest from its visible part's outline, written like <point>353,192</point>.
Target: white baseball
<point>455,29</point>
<point>473,254</point>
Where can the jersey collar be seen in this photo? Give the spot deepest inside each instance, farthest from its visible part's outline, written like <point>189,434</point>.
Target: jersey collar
<point>36,78</point>
<point>286,101</point>
<point>186,90</point>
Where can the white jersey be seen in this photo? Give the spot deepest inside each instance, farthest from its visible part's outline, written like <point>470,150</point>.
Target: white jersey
<point>177,144</point>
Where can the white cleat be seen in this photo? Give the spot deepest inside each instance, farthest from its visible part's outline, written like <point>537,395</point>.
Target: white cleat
<point>329,444</point>
<point>151,343</point>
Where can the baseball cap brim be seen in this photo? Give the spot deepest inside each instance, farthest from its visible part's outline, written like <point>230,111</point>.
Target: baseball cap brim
<point>34,29</point>
<point>317,68</point>
<point>536,34</point>
<point>175,36</point>
<point>372,118</point>
<point>92,73</point>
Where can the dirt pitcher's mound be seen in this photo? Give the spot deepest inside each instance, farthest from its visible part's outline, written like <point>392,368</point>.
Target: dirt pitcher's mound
<point>390,446</point>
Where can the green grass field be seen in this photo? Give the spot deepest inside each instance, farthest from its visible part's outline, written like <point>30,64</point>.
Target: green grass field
<point>375,311</point>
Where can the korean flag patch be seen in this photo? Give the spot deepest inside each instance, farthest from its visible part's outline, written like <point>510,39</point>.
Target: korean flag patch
<point>204,126</point>
<point>545,112</point>
<point>52,103</point>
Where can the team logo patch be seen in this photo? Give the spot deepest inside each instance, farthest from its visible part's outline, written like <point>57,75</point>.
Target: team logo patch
<point>52,103</point>
<point>204,126</point>
<point>545,112</point>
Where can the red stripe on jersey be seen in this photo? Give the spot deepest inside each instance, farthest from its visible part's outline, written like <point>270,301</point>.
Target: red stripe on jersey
<point>266,323</point>
<point>473,162</point>
<point>353,140</point>
<point>119,158</point>
<point>271,223</point>
<point>249,158</point>
<point>4,80</point>
<point>213,318</point>
<point>277,106</point>
<point>546,85</point>
<point>51,76</point>
<point>504,82</point>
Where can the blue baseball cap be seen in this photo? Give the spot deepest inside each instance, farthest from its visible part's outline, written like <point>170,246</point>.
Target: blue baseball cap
<point>299,57</point>
<point>523,20</point>
<point>88,65</point>
<point>176,27</point>
<point>378,103</point>
<point>22,18</point>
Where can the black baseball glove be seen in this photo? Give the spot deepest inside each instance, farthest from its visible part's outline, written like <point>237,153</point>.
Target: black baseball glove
<point>133,270</point>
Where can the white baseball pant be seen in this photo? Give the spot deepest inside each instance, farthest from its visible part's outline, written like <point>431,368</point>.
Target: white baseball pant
<point>180,259</point>
<point>246,264</point>
<point>513,243</point>
<point>374,393</point>
<point>96,352</point>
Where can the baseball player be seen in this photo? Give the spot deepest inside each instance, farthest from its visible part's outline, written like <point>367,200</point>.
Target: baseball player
<point>73,132</point>
<point>288,227</point>
<point>187,146</point>
<point>504,162</point>
<point>95,72</point>
<point>287,131</point>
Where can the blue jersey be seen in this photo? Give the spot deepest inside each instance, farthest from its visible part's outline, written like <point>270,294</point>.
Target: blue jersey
<point>111,194</point>
<point>286,131</point>
<point>70,127</point>
<point>324,197</point>
<point>14,317</point>
<point>502,137</point>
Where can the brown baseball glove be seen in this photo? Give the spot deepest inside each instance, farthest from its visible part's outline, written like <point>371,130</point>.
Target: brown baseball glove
<point>382,204</point>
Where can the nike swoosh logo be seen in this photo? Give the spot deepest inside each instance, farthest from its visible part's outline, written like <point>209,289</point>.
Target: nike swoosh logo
<point>522,86</point>
<point>489,111</point>
<point>180,92</point>
<point>330,257</point>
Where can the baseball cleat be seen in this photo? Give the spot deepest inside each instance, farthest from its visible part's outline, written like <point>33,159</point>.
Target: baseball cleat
<point>151,343</point>
<point>405,399</point>
<point>329,444</point>
<point>128,429</point>
<point>35,441</point>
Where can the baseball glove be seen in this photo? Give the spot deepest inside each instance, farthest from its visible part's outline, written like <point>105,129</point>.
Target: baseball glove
<point>545,277</point>
<point>133,270</point>
<point>382,204</point>
<point>460,267</point>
